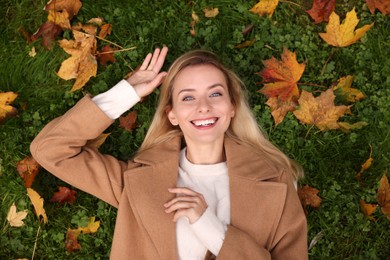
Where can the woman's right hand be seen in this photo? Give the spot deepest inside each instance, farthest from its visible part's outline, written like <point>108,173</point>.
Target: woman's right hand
<point>148,76</point>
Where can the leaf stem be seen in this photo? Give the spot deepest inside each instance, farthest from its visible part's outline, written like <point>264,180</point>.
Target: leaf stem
<point>36,240</point>
<point>113,43</point>
<point>289,2</point>
<point>311,84</point>
<point>326,62</point>
<point>308,131</point>
<point>114,51</point>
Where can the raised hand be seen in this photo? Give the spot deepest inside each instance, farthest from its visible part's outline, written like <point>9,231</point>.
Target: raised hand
<point>148,77</point>
<point>188,203</point>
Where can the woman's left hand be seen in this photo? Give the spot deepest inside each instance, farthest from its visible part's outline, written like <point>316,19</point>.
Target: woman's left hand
<point>188,203</point>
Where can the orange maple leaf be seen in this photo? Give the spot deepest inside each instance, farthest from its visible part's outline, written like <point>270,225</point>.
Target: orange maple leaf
<point>106,54</point>
<point>105,30</point>
<point>64,194</point>
<point>321,10</point>
<point>71,7</point>
<point>383,196</point>
<point>28,168</point>
<point>265,7</point>
<point>382,5</point>
<point>279,108</point>
<point>6,110</point>
<point>320,111</point>
<point>128,122</point>
<point>82,64</point>
<point>342,35</point>
<point>308,197</point>
<point>367,164</point>
<point>368,209</point>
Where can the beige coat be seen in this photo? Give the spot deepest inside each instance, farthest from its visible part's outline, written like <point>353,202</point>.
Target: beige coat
<point>267,220</point>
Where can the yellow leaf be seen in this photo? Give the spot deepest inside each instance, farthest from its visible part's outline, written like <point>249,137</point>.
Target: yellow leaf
<point>37,202</point>
<point>59,18</point>
<point>15,219</point>
<point>265,7</point>
<point>98,141</point>
<point>210,12</point>
<point>344,91</point>
<point>245,44</point>
<point>92,226</point>
<point>6,98</point>
<point>342,35</point>
<point>32,53</point>
<point>346,127</point>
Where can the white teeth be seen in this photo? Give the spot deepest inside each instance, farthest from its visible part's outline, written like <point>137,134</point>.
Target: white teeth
<point>204,122</point>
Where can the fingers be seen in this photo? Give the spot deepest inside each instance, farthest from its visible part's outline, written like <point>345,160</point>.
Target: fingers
<point>146,61</point>
<point>155,61</point>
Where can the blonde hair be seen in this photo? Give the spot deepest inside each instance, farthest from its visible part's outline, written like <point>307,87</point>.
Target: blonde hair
<point>243,127</point>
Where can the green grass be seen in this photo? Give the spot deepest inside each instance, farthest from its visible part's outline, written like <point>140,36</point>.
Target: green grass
<point>330,159</point>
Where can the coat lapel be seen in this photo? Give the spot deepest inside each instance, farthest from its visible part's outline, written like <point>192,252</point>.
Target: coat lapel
<point>256,205</point>
<point>148,191</point>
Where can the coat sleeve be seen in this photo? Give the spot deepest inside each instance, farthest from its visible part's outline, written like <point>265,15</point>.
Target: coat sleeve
<point>288,242</point>
<point>61,148</point>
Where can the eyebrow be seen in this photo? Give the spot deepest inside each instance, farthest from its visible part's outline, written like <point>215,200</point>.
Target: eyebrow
<point>192,89</point>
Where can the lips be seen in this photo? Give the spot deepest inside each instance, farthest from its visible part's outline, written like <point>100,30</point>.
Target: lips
<point>204,122</point>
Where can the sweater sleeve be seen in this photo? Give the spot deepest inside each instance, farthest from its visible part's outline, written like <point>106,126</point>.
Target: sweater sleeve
<point>210,231</point>
<point>117,100</point>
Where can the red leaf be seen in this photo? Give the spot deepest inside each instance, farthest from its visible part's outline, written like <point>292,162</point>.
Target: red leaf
<point>28,168</point>
<point>321,10</point>
<point>48,31</point>
<point>63,195</point>
<point>106,55</point>
<point>128,122</point>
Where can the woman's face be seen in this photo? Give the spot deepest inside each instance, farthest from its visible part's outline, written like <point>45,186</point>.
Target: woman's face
<point>201,104</point>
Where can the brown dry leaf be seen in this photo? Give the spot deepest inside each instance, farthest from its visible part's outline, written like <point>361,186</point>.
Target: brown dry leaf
<point>97,20</point>
<point>6,110</point>
<point>382,5</point>
<point>308,197</point>
<point>88,28</point>
<point>71,243</point>
<point>368,209</point>
<point>210,12</point>
<point>106,54</point>
<point>128,122</point>
<point>72,7</point>
<point>383,196</point>
<point>37,202</point>
<point>195,19</point>
<point>63,195</point>
<point>15,218</point>
<point>279,108</point>
<point>321,10</point>
<point>345,93</point>
<point>265,7</point>
<point>48,31</point>
<point>367,164</point>
<point>320,111</point>
<point>342,35</point>
<point>59,18</point>
<point>28,168</point>
<point>97,142</point>
<point>105,30</point>
<point>82,64</point>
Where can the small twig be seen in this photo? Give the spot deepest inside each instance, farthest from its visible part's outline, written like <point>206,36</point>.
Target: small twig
<point>36,240</point>
<point>311,84</point>
<point>308,131</point>
<point>114,51</point>
<point>289,2</point>
<point>113,43</point>
<point>326,62</point>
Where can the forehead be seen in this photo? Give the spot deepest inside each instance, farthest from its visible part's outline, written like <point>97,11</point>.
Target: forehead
<point>197,76</point>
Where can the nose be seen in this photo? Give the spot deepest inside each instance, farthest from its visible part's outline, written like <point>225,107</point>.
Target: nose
<point>203,106</point>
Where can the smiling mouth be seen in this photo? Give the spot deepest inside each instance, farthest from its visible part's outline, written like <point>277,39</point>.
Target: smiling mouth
<point>207,122</point>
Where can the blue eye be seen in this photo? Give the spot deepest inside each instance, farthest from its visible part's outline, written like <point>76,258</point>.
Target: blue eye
<point>216,94</point>
<point>187,98</point>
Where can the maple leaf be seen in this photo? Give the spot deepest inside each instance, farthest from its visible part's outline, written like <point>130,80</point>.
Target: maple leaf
<point>265,7</point>
<point>106,55</point>
<point>210,12</point>
<point>128,122</point>
<point>72,7</point>
<point>382,5</point>
<point>367,164</point>
<point>368,209</point>
<point>342,35</point>
<point>6,110</point>
<point>28,168</point>
<point>15,218</point>
<point>345,93</point>
<point>48,31</point>
<point>383,196</point>
<point>282,76</point>
<point>37,202</point>
<point>279,108</point>
<point>308,197</point>
<point>71,242</point>
<point>105,30</point>
<point>321,10</point>
<point>64,194</point>
<point>59,18</point>
<point>82,64</point>
<point>320,111</point>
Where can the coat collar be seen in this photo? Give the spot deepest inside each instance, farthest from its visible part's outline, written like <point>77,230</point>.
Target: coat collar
<point>147,189</point>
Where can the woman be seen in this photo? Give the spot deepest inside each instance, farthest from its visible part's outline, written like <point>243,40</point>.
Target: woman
<point>205,182</point>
